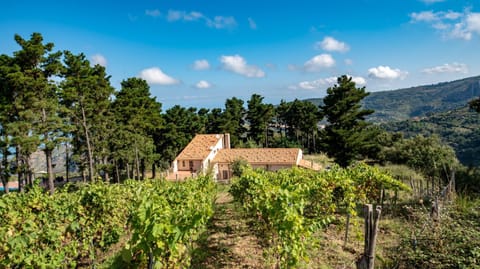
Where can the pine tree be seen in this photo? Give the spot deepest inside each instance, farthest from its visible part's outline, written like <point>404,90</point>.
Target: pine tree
<point>138,117</point>
<point>86,93</point>
<point>234,122</point>
<point>36,103</point>
<point>346,136</point>
<point>259,116</point>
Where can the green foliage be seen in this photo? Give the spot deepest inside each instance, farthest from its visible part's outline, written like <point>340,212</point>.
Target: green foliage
<point>459,128</point>
<point>475,104</point>
<point>420,101</point>
<point>168,218</point>
<point>427,155</point>
<point>239,166</point>
<point>41,231</point>
<point>289,205</point>
<point>299,120</point>
<point>70,228</point>
<point>451,242</point>
<point>259,115</point>
<point>346,137</point>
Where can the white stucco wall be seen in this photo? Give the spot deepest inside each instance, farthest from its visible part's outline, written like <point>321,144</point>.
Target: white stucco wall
<point>212,153</point>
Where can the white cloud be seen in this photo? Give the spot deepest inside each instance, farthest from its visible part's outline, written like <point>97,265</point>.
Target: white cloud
<point>426,16</point>
<point>317,84</point>
<point>451,24</point>
<point>360,81</point>
<point>331,44</point>
<point>202,84</point>
<point>473,22</point>
<point>447,68</point>
<point>237,64</point>
<point>319,62</point>
<point>153,13</point>
<point>252,24</point>
<point>217,22</point>
<point>180,15</point>
<point>348,62</point>
<point>155,75</point>
<point>99,59</point>
<point>220,22</point>
<point>432,1</point>
<point>326,82</point>
<point>385,72</point>
<point>201,65</point>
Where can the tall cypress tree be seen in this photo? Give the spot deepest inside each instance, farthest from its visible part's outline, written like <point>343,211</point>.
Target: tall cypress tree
<point>346,136</point>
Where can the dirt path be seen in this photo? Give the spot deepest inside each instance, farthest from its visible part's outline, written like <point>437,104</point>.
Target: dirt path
<point>228,243</point>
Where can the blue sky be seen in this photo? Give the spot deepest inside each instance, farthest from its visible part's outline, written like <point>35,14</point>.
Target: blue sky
<point>201,52</point>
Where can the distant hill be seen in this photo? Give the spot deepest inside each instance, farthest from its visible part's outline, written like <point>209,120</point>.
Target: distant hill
<point>38,162</point>
<point>403,104</point>
<point>460,128</point>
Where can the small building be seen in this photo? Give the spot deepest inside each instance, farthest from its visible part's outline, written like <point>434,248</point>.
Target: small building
<point>270,159</point>
<point>212,151</point>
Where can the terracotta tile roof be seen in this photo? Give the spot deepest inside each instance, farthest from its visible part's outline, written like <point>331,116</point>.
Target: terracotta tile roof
<point>199,147</point>
<point>259,155</point>
<point>310,165</point>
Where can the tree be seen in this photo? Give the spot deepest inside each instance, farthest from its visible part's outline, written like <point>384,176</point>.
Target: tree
<point>345,137</point>
<point>259,116</point>
<point>300,119</point>
<point>36,102</point>
<point>234,122</point>
<point>427,155</point>
<point>6,116</point>
<point>86,93</point>
<point>475,104</point>
<point>180,126</point>
<point>137,117</point>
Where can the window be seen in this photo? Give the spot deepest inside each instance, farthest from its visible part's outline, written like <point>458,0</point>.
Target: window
<point>190,163</point>
<point>183,163</point>
<point>225,174</point>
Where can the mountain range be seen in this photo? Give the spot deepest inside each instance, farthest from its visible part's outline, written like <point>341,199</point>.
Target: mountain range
<point>440,109</point>
<point>417,102</point>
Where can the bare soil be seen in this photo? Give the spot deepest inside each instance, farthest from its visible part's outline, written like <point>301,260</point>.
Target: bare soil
<point>228,242</point>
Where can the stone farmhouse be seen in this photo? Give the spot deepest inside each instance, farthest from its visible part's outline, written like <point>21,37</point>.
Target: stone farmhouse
<point>212,151</point>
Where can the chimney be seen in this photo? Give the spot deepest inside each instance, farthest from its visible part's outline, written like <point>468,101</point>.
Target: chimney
<point>226,141</point>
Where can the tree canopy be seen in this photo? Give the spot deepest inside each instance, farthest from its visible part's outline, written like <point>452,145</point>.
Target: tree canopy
<point>346,137</point>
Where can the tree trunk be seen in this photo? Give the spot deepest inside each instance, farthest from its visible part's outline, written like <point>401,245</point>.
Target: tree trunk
<point>91,172</point>
<point>107,175</point>
<point>137,164</point>
<point>127,166</point>
<point>67,163</point>
<point>154,172</point>
<point>48,157</point>
<point>143,169</point>
<point>18,160</point>
<point>117,173</point>
<point>3,174</point>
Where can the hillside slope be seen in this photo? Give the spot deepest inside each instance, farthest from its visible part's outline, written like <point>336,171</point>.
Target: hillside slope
<point>460,128</point>
<point>403,104</point>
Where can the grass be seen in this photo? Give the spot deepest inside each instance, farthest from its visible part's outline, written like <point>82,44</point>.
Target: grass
<point>321,159</point>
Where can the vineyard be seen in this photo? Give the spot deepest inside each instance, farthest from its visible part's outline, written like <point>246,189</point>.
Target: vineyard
<point>291,205</point>
<point>292,218</point>
<point>74,227</point>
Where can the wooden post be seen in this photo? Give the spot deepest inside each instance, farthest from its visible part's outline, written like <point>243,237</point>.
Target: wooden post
<point>367,260</point>
<point>347,227</point>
